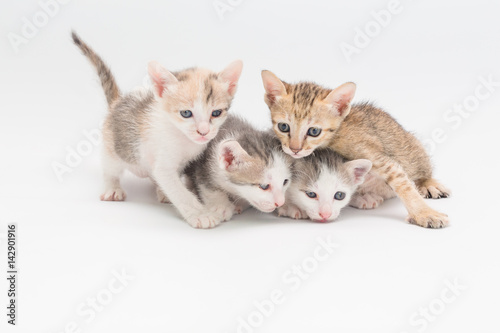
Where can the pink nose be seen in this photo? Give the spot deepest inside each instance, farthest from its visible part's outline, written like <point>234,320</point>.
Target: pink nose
<point>202,134</point>
<point>325,215</point>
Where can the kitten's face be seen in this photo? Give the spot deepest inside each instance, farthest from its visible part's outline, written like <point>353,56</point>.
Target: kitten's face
<point>302,131</point>
<point>196,101</point>
<point>262,183</point>
<point>324,192</point>
<point>305,116</point>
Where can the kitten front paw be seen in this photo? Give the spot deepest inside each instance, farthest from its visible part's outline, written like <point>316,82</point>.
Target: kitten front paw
<point>241,206</point>
<point>366,201</point>
<point>161,196</point>
<point>293,212</point>
<point>114,194</point>
<point>429,218</point>
<point>432,189</point>
<point>223,212</point>
<point>204,221</point>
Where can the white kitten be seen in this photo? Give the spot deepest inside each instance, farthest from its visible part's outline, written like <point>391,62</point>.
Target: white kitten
<point>242,166</point>
<point>322,184</point>
<point>155,134</point>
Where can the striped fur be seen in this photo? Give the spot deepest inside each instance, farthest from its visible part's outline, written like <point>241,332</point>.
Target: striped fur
<point>107,79</point>
<point>357,131</point>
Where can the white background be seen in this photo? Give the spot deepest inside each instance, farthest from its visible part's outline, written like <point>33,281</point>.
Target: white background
<point>426,60</point>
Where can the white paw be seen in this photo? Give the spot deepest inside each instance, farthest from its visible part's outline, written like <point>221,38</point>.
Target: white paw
<point>241,206</point>
<point>223,212</point>
<point>292,211</point>
<point>161,196</point>
<point>204,221</point>
<point>366,201</point>
<point>115,194</point>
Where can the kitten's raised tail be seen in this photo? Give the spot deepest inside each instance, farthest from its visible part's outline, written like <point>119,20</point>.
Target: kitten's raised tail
<point>107,79</point>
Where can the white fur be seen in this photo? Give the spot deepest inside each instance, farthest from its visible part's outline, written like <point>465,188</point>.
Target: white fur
<point>324,207</point>
<point>325,188</point>
<point>264,200</point>
<point>168,146</point>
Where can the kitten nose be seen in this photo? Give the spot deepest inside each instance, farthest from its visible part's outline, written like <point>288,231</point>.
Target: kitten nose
<point>325,215</point>
<point>203,128</point>
<point>202,134</point>
<point>295,150</point>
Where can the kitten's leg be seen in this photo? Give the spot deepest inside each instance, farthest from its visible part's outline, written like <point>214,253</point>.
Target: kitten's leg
<point>184,200</point>
<point>113,168</point>
<point>419,212</point>
<point>366,200</point>
<point>161,196</point>
<point>290,210</point>
<point>431,188</point>
<point>218,203</point>
<point>240,205</point>
<point>371,193</point>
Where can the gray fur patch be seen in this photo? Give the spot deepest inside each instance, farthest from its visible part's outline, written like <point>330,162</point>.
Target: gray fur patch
<point>127,118</point>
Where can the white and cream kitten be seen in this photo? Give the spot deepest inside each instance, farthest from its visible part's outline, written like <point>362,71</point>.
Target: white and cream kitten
<point>322,184</point>
<point>155,134</point>
<point>242,166</point>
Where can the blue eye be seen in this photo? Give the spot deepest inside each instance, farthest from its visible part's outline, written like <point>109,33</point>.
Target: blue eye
<point>339,196</point>
<point>283,127</point>
<point>264,186</point>
<point>314,131</point>
<point>216,113</point>
<point>186,114</point>
<point>311,194</point>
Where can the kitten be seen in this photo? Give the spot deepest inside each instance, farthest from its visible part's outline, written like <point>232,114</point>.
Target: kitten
<point>307,116</point>
<point>241,166</point>
<point>156,133</point>
<point>322,184</point>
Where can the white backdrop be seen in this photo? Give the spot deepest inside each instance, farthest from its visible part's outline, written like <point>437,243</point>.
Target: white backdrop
<point>434,65</point>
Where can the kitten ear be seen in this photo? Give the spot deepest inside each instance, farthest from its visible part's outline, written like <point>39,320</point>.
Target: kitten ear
<point>273,86</point>
<point>232,74</point>
<point>231,155</point>
<point>358,169</point>
<point>340,98</point>
<point>161,77</point>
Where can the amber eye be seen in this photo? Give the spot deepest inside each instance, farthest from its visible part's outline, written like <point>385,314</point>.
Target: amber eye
<point>339,196</point>
<point>284,127</point>
<point>314,131</point>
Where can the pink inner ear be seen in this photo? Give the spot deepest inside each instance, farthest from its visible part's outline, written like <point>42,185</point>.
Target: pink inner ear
<point>232,88</point>
<point>228,157</point>
<point>359,173</point>
<point>159,84</point>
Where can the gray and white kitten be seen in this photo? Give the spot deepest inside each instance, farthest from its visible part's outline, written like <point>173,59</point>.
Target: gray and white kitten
<point>157,133</point>
<point>322,184</point>
<point>242,166</point>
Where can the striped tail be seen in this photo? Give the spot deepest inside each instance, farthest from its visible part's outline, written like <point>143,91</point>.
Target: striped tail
<point>107,79</point>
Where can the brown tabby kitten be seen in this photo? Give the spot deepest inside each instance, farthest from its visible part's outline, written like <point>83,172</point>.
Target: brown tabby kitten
<point>307,116</point>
